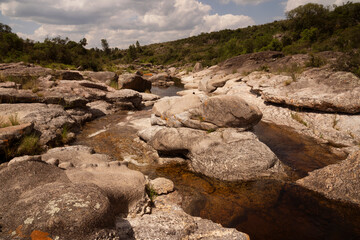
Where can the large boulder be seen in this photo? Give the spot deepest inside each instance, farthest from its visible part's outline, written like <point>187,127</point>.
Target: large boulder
<point>39,199</point>
<point>227,154</point>
<point>317,89</point>
<point>337,181</point>
<point>134,82</point>
<point>201,112</point>
<point>125,99</point>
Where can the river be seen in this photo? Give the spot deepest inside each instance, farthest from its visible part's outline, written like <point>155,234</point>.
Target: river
<point>264,209</point>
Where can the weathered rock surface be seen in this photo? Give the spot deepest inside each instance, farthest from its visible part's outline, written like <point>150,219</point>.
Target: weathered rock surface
<point>14,133</point>
<point>48,202</point>
<point>227,154</point>
<point>317,89</point>
<point>125,188</point>
<point>104,77</point>
<point>46,119</point>
<point>70,75</point>
<point>338,181</point>
<point>125,99</point>
<point>201,112</point>
<point>162,186</point>
<point>134,82</point>
<point>78,155</point>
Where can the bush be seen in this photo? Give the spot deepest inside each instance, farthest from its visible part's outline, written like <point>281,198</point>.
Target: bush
<point>29,145</point>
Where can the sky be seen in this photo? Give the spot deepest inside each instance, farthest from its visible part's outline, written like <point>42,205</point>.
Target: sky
<point>123,22</point>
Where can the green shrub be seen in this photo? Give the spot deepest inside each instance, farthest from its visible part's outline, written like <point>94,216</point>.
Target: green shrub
<point>14,120</point>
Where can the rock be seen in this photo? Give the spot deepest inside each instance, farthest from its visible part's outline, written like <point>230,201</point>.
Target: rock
<point>65,165</point>
<point>337,181</point>
<point>210,84</point>
<point>169,221</point>
<point>104,77</point>
<point>228,111</point>
<point>47,202</point>
<point>149,97</point>
<point>8,85</point>
<point>36,158</point>
<point>46,119</point>
<point>162,186</point>
<point>317,89</point>
<point>70,75</point>
<point>14,133</point>
<point>100,108</point>
<point>77,155</point>
<point>201,112</point>
<point>125,99</point>
<point>227,155</point>
<point>11,95</point>
<point>125,188</point>
<point>198,67</point>
<point>148,133</point>
<point>171,71</point>
<point>134,82</point>
<point>53,161</point>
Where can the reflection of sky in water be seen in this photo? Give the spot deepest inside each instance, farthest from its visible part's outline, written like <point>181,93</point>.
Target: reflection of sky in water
<point>163,92</point>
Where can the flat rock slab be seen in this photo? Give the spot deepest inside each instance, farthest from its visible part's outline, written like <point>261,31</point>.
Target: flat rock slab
<point>48,120</point>
<point>338,181</point>
<point>317,89</point>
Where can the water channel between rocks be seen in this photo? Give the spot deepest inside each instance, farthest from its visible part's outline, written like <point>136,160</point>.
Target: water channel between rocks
<point>264,209</point>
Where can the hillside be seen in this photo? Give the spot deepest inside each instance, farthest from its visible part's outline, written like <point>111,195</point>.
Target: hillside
<point>307,29</point>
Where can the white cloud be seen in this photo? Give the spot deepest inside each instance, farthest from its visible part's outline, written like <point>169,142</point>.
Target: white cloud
<point>217,22</point>
<point>121,22</point>
<point>291,4</point>
<point>244,2</point>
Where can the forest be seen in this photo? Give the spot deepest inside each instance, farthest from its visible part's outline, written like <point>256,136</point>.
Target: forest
<point>309,28</point>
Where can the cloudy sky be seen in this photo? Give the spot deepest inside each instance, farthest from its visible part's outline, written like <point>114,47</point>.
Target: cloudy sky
<point>123,22</point>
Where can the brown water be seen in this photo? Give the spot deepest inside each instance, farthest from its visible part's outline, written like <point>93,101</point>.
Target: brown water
<point>264,209</point>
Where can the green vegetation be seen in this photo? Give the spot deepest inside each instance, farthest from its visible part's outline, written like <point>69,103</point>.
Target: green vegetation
<point>29,145</point>
<point>150,192</point>
<point>13,120</point>
<point>299,119</point>
<point>310,28</point>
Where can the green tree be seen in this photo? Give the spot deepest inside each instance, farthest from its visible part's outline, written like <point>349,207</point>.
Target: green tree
<point>105,46</point>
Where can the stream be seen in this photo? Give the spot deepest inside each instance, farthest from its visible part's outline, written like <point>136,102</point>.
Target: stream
<point>264,209</point>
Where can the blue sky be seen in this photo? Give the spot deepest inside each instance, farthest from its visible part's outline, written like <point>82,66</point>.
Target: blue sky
<point>123,22</point>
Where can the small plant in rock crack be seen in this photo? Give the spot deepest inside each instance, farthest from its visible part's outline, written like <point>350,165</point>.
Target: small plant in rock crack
<point>151,192</point>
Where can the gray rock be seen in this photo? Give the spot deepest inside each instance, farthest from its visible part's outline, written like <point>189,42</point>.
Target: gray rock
<point>337,181</point>
<point>227,155</point>
<point>48,202</point>
<point>198,67</point>
<point>125,188</point>
<point>13,133</point>
<point>100,108</point>
<point>162,185</point>
<point>77,155</point>
<point>64,165</point>
<point>70,75</point>
<point>134,82</point>
<point>318,89</point>
<point>104,77</point>
<point>46,119</point>
<point>127,97</point>
<point>53,161</point>
<point>26,158</point>
<point>7,85</point>
<point>149,97</point>
<point>201,112</point>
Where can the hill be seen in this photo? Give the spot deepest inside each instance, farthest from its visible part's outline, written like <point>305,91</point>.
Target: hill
<point>308,29</point>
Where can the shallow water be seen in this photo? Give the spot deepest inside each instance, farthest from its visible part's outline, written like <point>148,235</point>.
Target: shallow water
<point>265,209</point>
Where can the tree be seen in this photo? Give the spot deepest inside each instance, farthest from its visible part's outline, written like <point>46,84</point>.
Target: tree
<point>105,46</point>
<point>83,42</point>
<point>138,47</point>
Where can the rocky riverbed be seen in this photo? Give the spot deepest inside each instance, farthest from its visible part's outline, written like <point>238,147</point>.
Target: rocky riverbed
<point>234,133</point>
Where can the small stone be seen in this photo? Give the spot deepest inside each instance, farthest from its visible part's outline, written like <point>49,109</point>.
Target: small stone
<point>66,165</point>
<point>53,161</point>
<point>162,185</point>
